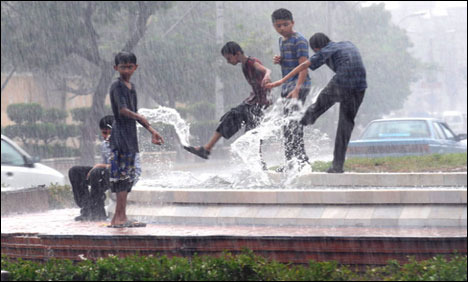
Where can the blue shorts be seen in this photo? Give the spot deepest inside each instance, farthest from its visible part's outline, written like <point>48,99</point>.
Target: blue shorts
<point>122,171</point>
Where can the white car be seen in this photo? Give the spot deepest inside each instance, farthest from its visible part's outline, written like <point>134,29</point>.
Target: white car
<point>20,170</point>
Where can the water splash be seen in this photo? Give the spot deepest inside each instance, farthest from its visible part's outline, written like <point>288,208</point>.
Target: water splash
<point>246,148</point>
<point>169,116</point>
<point>245,169</point>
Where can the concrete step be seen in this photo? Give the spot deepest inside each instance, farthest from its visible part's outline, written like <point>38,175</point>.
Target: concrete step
<point>399,207</point>
<point>402,216</point>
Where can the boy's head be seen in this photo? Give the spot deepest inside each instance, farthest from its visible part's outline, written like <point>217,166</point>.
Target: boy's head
<point>318,41</point>
<point>283,22</point>
<point>105,125</point>
<point>125,64</point>
<point>231,52</point>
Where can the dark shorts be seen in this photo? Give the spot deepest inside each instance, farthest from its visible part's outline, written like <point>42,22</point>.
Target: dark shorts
<point>122,171</point>
<point>244,114</point>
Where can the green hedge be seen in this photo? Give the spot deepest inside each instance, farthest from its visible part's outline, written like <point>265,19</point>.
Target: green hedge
<point>243,267</point>
<point>427,163</point>
<point>60,197</point>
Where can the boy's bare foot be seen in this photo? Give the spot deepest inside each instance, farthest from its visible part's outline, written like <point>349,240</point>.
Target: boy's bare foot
<point>117,221</point>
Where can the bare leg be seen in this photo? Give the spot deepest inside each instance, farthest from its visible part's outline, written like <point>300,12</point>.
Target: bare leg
<point>120,215</point>
<point>214,139</point>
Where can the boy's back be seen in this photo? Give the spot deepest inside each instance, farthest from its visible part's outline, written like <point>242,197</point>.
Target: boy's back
<point>345,60</point>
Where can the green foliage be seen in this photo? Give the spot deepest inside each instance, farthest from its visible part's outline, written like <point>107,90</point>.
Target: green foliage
<point>34,124</point>
<point>242,267</point>
<point>60,197</point>
<point>436,269</point>
<point>21,131</point>
<point>25,113</point>
<point>51,150</point>
<point>435,162</point>
<point>180,63</point>
<point>54,115</point>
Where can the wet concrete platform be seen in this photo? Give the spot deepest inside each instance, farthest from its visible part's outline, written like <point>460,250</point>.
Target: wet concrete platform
<point>55,234</point>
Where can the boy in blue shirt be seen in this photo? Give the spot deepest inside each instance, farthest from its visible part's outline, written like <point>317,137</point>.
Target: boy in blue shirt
<point>124,140</point>
<point>347,87</point>
<point>294,51</point>
<point>91,199</point>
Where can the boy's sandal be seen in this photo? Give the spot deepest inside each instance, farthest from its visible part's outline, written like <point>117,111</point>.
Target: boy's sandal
<point>201,151</point>
<point>128,224</point>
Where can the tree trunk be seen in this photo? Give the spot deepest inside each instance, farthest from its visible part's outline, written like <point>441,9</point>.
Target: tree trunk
<point>145,10</point>
<point>97,112</point>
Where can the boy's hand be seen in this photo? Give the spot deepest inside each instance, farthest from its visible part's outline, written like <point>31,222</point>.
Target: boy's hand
<point>266,80</point>
<point>94,167</point>
<point>293,94</point>
<point>157,139</point>
<point>274,84</point>
<point>277,59</point>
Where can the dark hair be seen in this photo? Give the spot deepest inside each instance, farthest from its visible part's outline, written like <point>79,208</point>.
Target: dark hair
<point>125,57</point>
<point>281,14</point>
<point>318,40</point>
<point>231,48</point>
<point>106,122</point>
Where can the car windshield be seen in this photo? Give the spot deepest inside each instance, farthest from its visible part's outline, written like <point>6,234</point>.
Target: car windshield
<point>10,156</point>
<point>397,129</point>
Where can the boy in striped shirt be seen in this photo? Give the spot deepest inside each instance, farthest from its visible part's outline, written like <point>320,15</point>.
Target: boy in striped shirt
<point>294,51</point>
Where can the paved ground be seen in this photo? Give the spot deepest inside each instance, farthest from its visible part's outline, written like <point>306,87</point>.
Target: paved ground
<point>60,222</point>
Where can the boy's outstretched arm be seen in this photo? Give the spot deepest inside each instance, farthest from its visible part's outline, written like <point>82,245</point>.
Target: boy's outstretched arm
<point>265,71</point>
<point>155,137</point>
<point>295,71</point>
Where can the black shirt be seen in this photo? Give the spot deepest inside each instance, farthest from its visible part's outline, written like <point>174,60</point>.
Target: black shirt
<point>124,130</point>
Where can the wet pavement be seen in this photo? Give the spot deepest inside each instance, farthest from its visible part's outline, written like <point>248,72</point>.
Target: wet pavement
<point>61,222</point>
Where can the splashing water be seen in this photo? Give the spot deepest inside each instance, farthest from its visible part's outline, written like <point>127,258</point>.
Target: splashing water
<point>169,116</point>
<point>246,148</point>
<point>247,171</point>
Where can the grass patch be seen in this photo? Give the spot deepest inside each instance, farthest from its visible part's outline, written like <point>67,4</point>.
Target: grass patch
<point>428,163</point>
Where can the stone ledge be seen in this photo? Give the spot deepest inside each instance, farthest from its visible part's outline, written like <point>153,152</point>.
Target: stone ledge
<point>24,200</point>
<point>303,215</point>
<point>281,197</point>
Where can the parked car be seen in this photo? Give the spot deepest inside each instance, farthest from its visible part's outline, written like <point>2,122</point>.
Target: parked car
<point>19,169</point>
<point>406,136</point>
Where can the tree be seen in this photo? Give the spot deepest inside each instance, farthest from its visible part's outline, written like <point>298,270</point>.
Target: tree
<point>35,124</point>
<point>176,47</point>
<point>38,36</point>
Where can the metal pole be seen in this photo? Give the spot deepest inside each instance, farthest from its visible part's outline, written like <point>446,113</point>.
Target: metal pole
<point>219,94</point>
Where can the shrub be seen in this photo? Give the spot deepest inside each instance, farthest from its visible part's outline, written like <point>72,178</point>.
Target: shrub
<point>24,112</point>
<point>243,267</point>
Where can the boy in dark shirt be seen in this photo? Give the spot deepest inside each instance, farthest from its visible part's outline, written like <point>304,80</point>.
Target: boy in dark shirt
<point>347,87</point>
<point>294,51</point>
<point>250,111</point>
<point>123,140</point>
